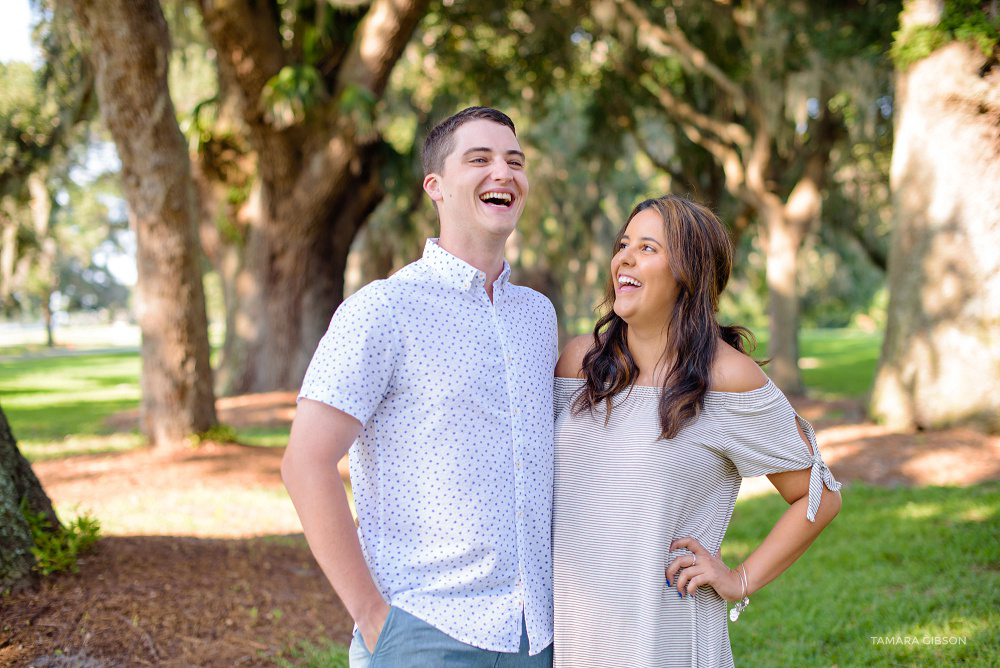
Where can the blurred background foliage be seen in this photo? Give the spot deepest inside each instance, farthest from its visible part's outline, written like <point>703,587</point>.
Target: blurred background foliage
<point>615,101</point>
<point>597,142</point>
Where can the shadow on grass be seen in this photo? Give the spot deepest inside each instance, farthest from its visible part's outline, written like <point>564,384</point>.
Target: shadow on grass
<point>57,421</point>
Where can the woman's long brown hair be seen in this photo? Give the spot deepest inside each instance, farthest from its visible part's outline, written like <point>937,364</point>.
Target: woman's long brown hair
<point>701,260</point>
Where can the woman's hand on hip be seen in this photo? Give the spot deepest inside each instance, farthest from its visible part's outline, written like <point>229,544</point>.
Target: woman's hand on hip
<point>701,567</point>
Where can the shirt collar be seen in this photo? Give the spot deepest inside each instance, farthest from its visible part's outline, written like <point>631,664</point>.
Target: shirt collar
<point>457,272</point>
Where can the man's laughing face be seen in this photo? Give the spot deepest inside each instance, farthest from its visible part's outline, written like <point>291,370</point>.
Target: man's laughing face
<point>482,187</point>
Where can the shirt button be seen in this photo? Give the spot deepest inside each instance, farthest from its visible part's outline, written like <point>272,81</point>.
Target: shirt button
<point>517,464</point>
<point>515,411</point>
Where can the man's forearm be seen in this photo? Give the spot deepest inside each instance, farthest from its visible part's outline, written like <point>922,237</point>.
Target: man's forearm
<point>321,502</point>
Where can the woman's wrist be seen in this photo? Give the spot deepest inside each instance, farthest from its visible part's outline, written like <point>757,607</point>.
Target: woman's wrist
<point>751,590</point>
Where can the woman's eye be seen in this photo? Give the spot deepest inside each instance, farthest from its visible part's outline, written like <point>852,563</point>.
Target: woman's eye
<point>648,247</point>
<point>621,245</point>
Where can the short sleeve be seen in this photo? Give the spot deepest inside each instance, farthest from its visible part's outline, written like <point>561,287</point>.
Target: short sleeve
<point>352,367</point>
<point>564,391</point>
<point>762,438</point>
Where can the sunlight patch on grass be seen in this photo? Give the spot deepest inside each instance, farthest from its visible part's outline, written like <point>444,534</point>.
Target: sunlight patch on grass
<point>219,512</point>
<point>918,511</point>
<point>810,363</point>
<point>216,511</point>
<point>979,514</point>
<point>35,451</point>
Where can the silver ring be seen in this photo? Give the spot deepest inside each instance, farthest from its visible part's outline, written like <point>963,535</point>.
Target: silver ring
<point>695,562</point>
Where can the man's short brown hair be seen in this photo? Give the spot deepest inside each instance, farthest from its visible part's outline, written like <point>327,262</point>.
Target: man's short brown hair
<point>440,140</point>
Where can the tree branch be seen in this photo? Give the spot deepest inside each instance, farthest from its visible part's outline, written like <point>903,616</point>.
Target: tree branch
<point>671,40</point>
<point>730,133</point>
<point>379,42</point>
<point>249,52</point>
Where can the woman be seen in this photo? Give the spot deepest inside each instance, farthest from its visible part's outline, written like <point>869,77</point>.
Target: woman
<point>659,415</point>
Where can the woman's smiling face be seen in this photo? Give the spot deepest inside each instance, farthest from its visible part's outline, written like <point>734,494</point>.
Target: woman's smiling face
<point>645,288</point>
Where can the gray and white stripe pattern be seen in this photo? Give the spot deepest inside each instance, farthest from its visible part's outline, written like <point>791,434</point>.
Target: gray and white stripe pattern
<point>621,495</point>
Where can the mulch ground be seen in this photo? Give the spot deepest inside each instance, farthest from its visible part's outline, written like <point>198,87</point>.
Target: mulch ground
<point>243,591</point>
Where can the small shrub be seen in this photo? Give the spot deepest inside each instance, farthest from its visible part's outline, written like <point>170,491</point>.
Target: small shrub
<point>220,433</point>
<point>57,549</point>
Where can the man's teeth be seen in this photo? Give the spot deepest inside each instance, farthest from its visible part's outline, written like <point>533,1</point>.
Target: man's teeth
<point>503,197</point>
<point>628,280</point>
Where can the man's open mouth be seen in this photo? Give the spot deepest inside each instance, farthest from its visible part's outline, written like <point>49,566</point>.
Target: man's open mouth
<point>497,198</point>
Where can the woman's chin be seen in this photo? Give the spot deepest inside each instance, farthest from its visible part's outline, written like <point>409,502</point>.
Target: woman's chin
<point>626,314</point>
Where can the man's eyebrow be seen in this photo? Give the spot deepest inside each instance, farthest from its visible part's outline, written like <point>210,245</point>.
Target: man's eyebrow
<point>487,149</point>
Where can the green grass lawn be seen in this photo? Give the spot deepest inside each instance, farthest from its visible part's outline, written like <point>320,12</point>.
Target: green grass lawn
<point>835,363</point>
<point>896,563</point>
<point>59,405</point>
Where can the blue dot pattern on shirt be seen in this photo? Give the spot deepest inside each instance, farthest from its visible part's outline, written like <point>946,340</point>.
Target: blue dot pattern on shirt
<point>452,472</point>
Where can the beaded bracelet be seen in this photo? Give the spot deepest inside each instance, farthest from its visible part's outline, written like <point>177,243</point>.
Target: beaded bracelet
<point>744,601</point>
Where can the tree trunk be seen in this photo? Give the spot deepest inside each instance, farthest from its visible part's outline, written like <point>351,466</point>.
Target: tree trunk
<point>50,341</point>
<point>782,258</point>
<point>219,179</point>
<point>317,183</point>
<point>17,482</point>
<point>290,284</point>
<point>940,362</point>
<point>130,48</point>
<point>45,260</point>
<point>8,254</point>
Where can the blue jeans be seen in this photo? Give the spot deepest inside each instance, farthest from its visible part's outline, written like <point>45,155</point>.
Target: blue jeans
<point>408,642</point>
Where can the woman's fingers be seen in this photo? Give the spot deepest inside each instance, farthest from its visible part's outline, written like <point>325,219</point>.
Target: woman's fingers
<point>691,544</point>
<point>686,561</point>
<point>682,581</point>
<point>692,584</point>
<point>687,572</point>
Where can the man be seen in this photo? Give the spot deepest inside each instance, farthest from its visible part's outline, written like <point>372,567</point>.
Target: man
<point>441,377</point>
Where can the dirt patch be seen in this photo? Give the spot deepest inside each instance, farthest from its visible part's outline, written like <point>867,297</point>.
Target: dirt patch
<point>174,601</point>
<point>227,582</point>
<point>858,450</point>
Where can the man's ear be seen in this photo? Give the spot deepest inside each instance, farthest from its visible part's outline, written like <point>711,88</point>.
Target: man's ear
<point>432,186</point>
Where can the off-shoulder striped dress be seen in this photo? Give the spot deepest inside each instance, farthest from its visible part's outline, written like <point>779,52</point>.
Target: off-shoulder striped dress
<point>622,495</point>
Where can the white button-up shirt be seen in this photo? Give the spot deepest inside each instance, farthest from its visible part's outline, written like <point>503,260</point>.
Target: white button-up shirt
<point>452,472</point>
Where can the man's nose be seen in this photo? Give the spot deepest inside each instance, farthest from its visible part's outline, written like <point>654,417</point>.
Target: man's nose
<point>501,170</point>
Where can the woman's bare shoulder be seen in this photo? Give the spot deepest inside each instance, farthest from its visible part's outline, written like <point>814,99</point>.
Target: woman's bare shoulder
<point>734,371</point>
<point>570,363</point>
